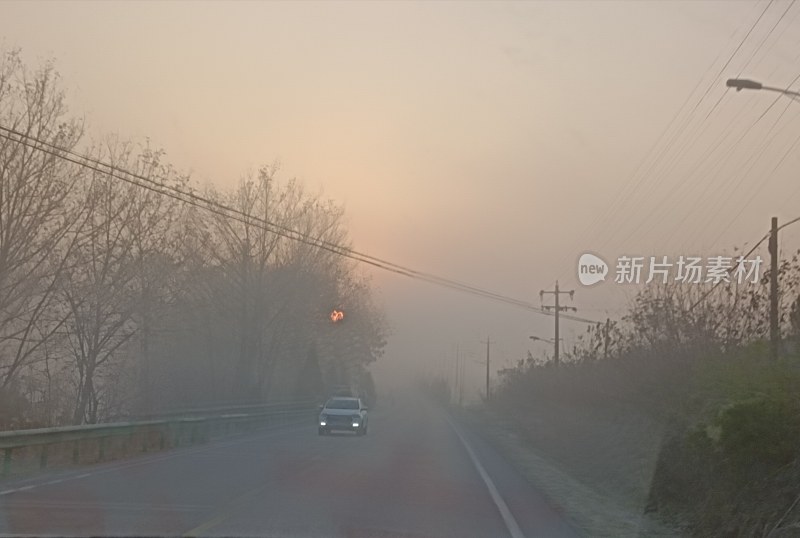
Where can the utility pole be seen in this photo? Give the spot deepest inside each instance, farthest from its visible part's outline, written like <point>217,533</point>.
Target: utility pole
<point>488,343</point>
<point>455,383</point>
<point>460,377</point>
<point>774,328</point>
<point>557,308</point>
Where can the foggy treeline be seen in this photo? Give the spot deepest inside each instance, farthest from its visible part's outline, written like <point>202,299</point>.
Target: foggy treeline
<point>119,301</point>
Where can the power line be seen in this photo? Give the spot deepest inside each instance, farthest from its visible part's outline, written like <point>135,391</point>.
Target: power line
<point>766,236</point>
<point>621,197</point>
<point>766,37</point>
<point>196,200</point>
<point>664,210</point>
<point>711,85</point>
<point>619,200</point>
<point>765,179</point>
<point>700,200</point>
<point>694,172</point>
<point>743,171</point>
<point>750,31</point>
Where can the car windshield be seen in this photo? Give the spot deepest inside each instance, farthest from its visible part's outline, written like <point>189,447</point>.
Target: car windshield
<point>342,403</point>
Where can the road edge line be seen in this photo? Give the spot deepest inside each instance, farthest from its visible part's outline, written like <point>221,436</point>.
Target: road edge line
<point>508,518</point>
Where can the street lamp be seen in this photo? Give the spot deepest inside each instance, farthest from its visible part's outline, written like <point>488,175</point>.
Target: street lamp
<point>746,84</point>
<point>548,340</point>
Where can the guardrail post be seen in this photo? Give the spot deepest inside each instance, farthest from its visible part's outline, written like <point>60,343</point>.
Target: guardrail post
<point>43,457</point>
<point>101,452</point>
<point>76,452</point>
<point>7,461</point>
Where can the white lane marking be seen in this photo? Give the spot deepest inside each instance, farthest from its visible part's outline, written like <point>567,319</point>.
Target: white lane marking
<point>505,513</point>
<point>15,490</point>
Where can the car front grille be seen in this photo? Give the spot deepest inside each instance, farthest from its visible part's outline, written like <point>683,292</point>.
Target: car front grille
<point>340,420</point>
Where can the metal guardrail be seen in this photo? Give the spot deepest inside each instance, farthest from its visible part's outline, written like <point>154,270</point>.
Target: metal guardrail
<point>93,443</point>
<point>206,411</point>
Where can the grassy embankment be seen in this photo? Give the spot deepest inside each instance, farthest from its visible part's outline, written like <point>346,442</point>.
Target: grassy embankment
<point>642,446</point>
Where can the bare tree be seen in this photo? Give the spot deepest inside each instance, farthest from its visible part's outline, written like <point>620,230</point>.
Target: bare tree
<point>258,301</point>
<point>246,253</point>
<point>38,220</point>
<point>100,293</point>
<point>155,234</point>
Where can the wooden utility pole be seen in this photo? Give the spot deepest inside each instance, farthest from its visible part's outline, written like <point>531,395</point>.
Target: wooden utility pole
<point>455,381</point>
<point>488,343</point>
<point>458,389</point>
<point>460,378</point>
<point>557,308</point>
<point>774,326</point>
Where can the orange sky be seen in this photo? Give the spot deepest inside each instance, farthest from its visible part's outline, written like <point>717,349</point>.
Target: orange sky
<point>481,141</point>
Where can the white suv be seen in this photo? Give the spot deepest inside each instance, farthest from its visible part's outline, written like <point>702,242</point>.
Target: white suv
<point>340,413</point>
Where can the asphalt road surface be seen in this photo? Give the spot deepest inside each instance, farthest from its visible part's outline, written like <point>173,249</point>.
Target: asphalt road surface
<point>415,475</point>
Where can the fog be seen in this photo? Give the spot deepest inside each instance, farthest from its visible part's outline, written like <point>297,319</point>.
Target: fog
<point>489,143</point>
<point>219,218</point>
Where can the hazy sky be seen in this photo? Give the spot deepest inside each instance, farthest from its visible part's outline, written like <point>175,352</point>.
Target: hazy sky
<point>489,142</point>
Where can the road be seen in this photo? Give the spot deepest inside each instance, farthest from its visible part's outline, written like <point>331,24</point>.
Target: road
<point>413,476</point>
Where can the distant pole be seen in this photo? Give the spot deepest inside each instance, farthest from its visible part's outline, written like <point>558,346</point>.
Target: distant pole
<point>460,376</point>
<point>455,383</point>
<point>774,328</point>
<point>555,355</point>
<point>488,343</point>
<point>557,308</point>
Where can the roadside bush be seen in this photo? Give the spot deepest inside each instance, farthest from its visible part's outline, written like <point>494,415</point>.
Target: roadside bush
<point>731,475</point>
<point>759,435</point>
